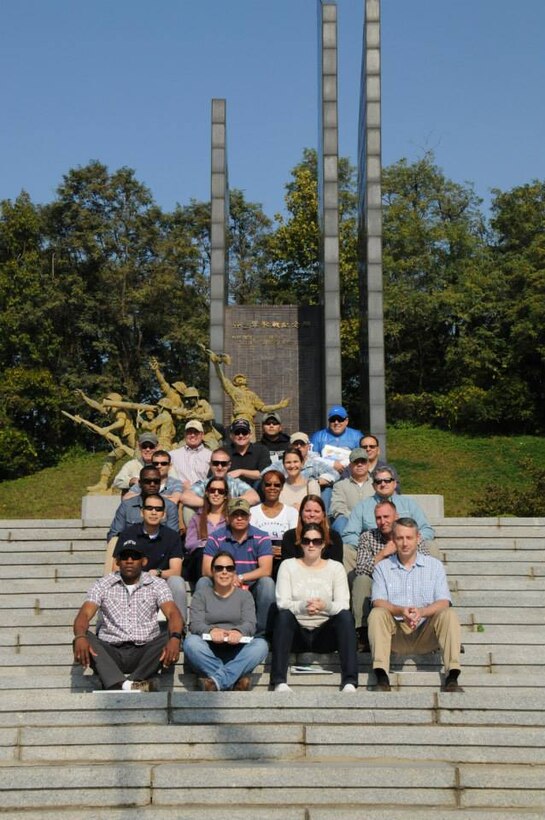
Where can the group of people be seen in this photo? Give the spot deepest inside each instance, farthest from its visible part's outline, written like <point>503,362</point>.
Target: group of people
<point>292,544</point>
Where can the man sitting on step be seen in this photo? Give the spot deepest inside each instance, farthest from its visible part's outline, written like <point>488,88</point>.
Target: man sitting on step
<point>129,646</point>
<point>412,611</point>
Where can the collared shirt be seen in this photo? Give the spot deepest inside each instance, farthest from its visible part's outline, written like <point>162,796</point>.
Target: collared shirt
<point>159,548</point>
<point>129,617</point>
<point>362,517</point>
<point>421,585</point>
<point>167,488</point>
<point>246,553</point>
<point>236,486</point>
<point>130,512</point>
<point>369,545</point>
<point>256,457</point>
<point>191,463</point>
<point>347,493</point>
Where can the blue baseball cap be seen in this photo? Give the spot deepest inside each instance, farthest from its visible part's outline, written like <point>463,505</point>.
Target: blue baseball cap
<point>337,410</point>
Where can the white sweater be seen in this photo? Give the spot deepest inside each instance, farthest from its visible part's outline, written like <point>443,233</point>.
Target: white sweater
<point>296,583</point>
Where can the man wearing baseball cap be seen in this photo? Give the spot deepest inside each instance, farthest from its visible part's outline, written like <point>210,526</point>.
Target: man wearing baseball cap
<point>252,551</point>
<point>348,491</point>
<point>129,473</point>
<point>335,441</point>
<point>248,459</point>
<point>273,437</point>
<point>191,461</point>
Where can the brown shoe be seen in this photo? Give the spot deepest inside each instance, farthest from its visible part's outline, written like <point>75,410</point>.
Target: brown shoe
<point>243,684</point>
<point>207,685</point>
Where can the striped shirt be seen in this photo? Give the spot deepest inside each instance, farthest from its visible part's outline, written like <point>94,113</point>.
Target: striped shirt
<point>419,586</point>
<point>246,553</point>
<point>129,617</point>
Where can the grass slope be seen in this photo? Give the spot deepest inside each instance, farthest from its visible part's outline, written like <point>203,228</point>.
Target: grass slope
<point>428,460</point>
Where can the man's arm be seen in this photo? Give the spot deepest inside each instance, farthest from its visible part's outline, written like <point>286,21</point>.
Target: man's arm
<point>82,647</point>
<point>171,652</point>
<point>172,520</point>
<point>119,523</point>
<point>339,503</point>
<point>424,527</point>
<point>263,570</point>
<point>356,524</point>
<point>174,568</point>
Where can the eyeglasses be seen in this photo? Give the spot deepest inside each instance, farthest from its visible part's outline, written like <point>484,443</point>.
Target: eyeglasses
<point>160,463</point>
<point>314,542</point>
<point>220,463</point>
<point>360,461</point>
<point>129,554</point>
<point>216,491</point>
<point>241,435</point>
<point>268,484</point>
<point>224,568</point>
<point>383,480</point>
<point>299,443</point>
<point>369,446</point>
<point>153,507</point>
<point>147,445</point>
<point>150,481</point>
<point>336,419</point>
<point>271,421</point>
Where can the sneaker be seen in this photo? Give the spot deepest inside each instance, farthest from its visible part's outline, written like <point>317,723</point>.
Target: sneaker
<point>282,687</point>
<point>243,684</point>
<point>383,681</point>
<point>348,687</point>
<point>141,686</point>
<point>207,685</point>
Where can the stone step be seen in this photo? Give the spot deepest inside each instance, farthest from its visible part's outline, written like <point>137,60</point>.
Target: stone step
<point>496,582</point>
<point>51,535</point>
<point>68,545</point>
<point>513,568</point>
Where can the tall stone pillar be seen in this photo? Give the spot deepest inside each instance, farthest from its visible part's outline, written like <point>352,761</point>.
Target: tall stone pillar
<point>328,198</point>
<point>219,205</point>
<point>370,226</point>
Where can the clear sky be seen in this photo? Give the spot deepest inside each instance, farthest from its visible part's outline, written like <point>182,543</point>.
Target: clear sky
<point>129,82</point>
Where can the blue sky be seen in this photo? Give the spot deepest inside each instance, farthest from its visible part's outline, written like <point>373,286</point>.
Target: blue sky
<point>129,82</point>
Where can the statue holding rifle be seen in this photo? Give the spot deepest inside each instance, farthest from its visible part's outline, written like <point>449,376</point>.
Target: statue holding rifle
<point>121,434</point>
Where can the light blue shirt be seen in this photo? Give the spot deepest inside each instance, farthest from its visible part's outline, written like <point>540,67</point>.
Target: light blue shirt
<point>362,517</point>
<point>419,586</point>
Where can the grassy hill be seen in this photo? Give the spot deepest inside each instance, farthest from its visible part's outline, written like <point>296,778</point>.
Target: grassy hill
<point>428,460</point>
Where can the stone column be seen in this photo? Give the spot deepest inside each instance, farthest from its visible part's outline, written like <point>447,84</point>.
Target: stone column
<point>370,227</point>
<point>328,198</point>
<point>219,207</point>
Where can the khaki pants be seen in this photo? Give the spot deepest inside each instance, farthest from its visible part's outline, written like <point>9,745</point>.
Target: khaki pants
<point>441,631</point>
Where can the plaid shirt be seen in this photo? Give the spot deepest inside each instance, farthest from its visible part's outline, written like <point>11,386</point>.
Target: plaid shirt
<point>421,585</point>
<point>369,546</point>
<point>129,617</point>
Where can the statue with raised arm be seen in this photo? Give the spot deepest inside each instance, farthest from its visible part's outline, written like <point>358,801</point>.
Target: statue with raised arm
<point>172,391</point>
<point>245,403</point>
<point>121,434</point>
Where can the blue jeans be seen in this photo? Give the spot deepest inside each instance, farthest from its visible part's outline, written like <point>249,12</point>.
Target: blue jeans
<point>263,592</point>
<point>222,663</point>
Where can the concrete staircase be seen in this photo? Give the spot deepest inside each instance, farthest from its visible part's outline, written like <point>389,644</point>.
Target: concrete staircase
<point>415,752</point>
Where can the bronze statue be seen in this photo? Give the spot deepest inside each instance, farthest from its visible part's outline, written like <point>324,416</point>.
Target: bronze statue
<point>172,391</point>
<point>162,425</point>
<point>124,444</point>
<point>193,407</point>
<point>245,403</point>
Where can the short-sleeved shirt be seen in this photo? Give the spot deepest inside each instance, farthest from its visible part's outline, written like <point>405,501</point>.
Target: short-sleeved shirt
<point>129,616</point>
<point>421,585</point>
<point>159,549</point>
<point>369,546</point>
<point>246,553</point>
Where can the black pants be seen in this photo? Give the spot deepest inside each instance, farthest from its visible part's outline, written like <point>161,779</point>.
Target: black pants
<point>114,661</point>
<point>337,633</point>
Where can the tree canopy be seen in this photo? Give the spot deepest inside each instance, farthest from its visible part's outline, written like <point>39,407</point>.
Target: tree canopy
<point>101,278</point>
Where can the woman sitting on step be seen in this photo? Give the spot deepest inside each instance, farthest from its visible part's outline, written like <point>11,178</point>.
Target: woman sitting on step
<point>313,611</point>
<point>221,647</point>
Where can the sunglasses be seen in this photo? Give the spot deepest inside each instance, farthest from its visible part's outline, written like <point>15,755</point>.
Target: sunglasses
<point>238,435</point>
<point>336,419</point>
<point>220,463</point>
<point>224,568</point>
<point>299,444</point>
<point>271,421</point>
<point>129,554</point>
<point>150,481</point>
<point>153,507</point>
<point>160,463</point>
<point>314,542</point>
<point>269,484</point>
<point>383,480</point>
<point>147,446</point>
<point>369,446</point>
<point>216,491</point>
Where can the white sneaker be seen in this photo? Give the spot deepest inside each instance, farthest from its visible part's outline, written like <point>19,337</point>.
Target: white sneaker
<point>282,687</point>
<point>348,687</point>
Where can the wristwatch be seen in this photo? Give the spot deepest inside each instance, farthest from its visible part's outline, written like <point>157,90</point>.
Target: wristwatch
<point>176,635</point>
<point>158,572</point>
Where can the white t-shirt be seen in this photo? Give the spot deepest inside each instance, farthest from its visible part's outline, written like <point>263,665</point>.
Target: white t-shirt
<point>277,526</point>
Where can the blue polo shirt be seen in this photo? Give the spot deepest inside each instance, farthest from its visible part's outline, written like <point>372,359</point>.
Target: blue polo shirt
<point>246,553</point>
